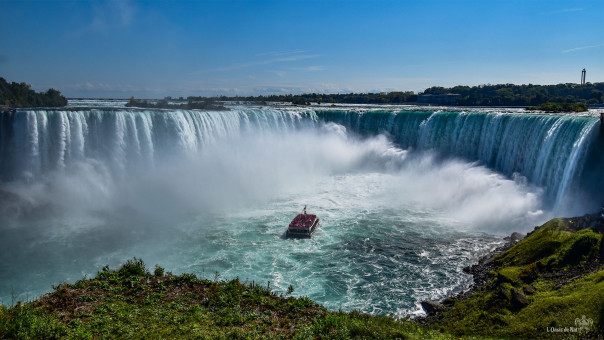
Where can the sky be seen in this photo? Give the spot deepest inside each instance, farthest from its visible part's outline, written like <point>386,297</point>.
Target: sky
<point>153,49</point>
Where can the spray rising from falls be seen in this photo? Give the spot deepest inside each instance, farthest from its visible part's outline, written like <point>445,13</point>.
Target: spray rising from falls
<point>117,146</point>
<point>549,151</point>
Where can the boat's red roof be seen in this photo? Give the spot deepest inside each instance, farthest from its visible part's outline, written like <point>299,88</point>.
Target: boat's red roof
<point>303,221</point>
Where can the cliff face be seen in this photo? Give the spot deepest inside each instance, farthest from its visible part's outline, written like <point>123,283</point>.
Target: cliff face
<point>551,282</point>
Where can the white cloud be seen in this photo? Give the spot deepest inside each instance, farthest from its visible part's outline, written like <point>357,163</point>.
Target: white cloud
<point>90,86</point>
<point>283,58</point>
<point>280,53</point>
<point>313,68</point>
<point>581,48</point>
<point>566,10</point>
<point>279,73</point>
<point>126,11</point>
<point>111,14</point>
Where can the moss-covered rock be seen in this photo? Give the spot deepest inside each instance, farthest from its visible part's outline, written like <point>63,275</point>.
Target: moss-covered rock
<point>518,299</point>
<point>555,245</point>
<point>582,247</point>
<point>544,242</point>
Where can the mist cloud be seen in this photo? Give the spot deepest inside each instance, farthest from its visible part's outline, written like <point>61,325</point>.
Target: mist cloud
<point>99,212</point>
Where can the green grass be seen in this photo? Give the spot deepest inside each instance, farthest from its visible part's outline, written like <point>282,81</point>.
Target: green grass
<point>553,246</point>
<point>132,303</point>
<point>560,307</point>
<point>541,244</point>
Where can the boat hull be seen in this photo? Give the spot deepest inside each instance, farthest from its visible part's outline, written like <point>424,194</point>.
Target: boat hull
<point>302,232</point>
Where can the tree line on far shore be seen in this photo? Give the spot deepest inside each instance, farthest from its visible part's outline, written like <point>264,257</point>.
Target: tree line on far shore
<point>343,98</point>
<point>524,95</point>
<point>21,95</point>
<point>482,95</point>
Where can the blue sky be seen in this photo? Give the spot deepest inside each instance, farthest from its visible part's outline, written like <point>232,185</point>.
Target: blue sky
<point>151,49</point>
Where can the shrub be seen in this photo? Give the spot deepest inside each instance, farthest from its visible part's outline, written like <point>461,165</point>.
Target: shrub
<point>159,271</point>
<point>134,267</point>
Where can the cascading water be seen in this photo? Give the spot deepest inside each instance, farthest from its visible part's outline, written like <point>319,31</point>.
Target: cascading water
<point>201,192</point>
<point>35,142</point>
<point>548,150</point>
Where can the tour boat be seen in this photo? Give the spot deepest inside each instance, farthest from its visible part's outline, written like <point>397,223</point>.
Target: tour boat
<point>303,225</point>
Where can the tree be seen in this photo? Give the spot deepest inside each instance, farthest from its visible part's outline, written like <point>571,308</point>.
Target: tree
<point>22,95</point>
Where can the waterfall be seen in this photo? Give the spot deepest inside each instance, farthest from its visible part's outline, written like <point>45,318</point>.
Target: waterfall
<point>34,142</point>
<point>548,150</point>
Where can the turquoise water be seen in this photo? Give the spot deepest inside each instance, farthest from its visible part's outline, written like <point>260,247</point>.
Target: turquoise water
<point>369,254</point>
<point>212,192</point>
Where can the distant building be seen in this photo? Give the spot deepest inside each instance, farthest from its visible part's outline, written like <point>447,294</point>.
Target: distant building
<point>438,99</point>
